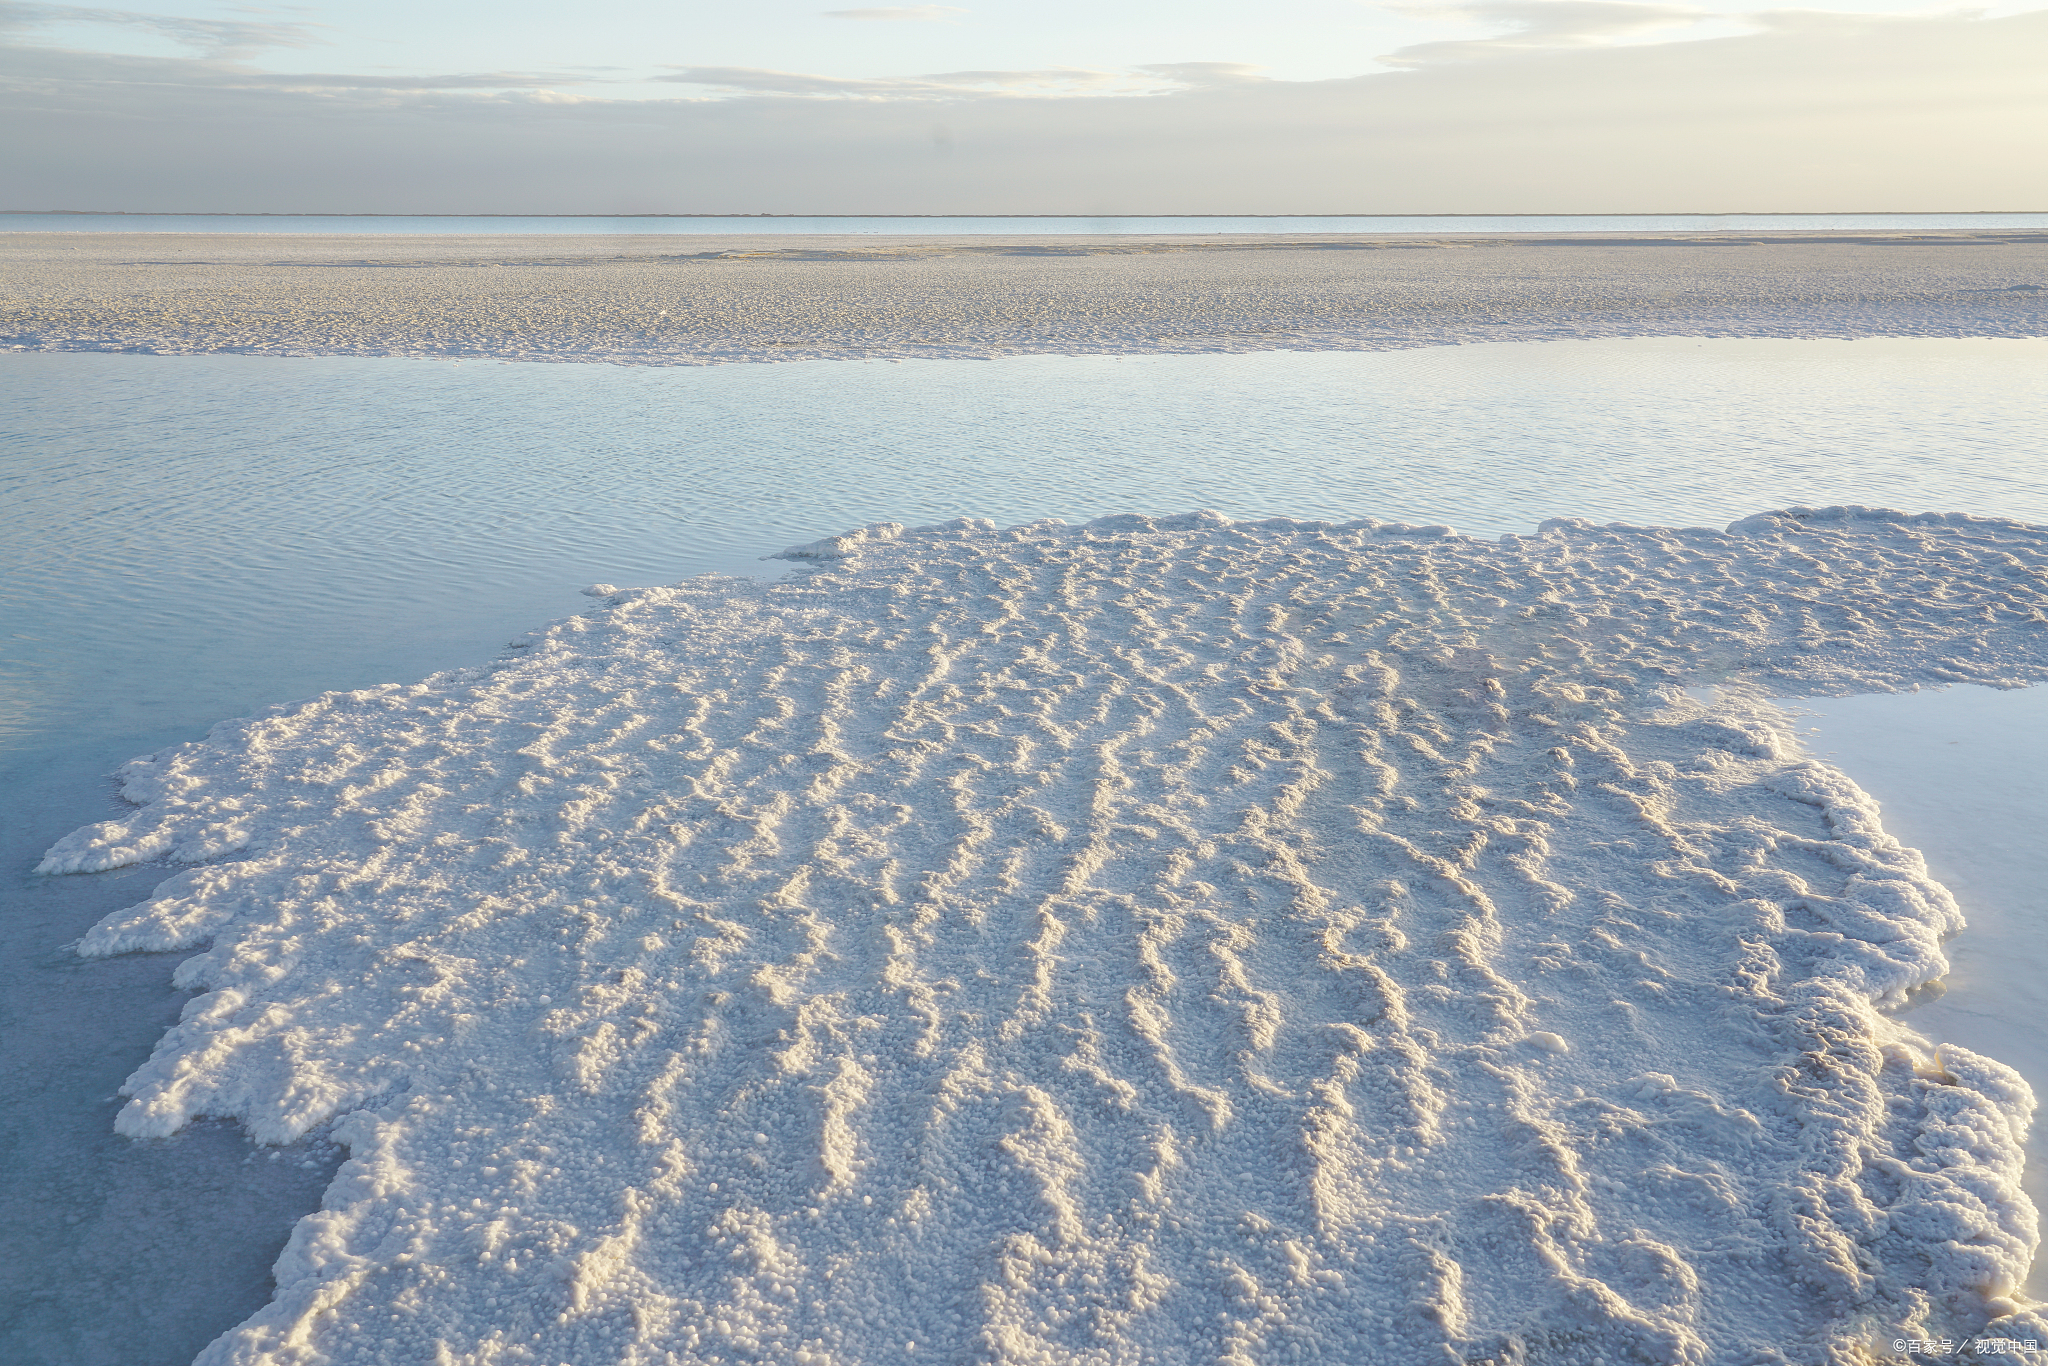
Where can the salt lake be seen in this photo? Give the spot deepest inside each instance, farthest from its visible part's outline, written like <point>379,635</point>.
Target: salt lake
<point>193,538</point>
<point>939,225</point>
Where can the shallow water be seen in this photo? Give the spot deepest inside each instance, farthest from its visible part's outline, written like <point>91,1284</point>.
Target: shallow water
<point>943,226</point>
<point>193,537</point>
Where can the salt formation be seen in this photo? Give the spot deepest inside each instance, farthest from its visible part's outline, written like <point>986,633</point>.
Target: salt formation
<point>662,300</point>
<point>1163,940</point>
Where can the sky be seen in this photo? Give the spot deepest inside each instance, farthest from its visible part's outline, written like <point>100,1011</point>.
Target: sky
<point>997,106</point>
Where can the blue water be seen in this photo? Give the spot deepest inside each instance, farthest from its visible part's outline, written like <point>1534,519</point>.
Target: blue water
<point>940,226</point>
<point>190,538</point>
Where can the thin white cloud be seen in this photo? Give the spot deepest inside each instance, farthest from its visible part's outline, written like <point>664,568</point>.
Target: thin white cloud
<point>1201,75</point>
<point>927,14</point>
<point>48,68</point>
<point>1824,22</point>
<point>211,37</point>
<point>953,85</point>
<point>1542,26</point>
<point>463,80</point>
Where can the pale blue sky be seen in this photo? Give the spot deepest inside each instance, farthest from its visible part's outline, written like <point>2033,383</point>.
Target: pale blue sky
<point>618,48</point>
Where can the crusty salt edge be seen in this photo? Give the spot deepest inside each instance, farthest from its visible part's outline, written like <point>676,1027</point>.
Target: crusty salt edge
<point>851,542</point>
<point>1283,920</point>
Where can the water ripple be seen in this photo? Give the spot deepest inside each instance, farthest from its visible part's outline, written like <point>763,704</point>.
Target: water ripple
<point>195,536</point>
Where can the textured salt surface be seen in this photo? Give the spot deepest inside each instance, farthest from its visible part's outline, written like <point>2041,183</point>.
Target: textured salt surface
<point>1962,774</point>
<point>642,301</point>
<point>1155,940</point>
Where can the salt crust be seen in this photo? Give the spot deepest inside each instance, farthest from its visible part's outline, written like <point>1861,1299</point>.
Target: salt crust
<point>654,300</point>
<point>1161,940</point>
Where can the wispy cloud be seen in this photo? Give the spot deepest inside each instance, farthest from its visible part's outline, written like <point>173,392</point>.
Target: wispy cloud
<point>1203,75</point>
<point>926,14</point>
<point>25,67</point>
<point>953,85</point>
<point>463,80</point>
<point>1542,26</point>
<point>210,37</point>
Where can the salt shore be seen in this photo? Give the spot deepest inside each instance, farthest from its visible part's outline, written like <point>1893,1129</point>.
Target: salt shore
<point>702,300</point>
<point>1155,940</point>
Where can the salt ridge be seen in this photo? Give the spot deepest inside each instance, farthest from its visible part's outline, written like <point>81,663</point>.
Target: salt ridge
<point>1166,939</point>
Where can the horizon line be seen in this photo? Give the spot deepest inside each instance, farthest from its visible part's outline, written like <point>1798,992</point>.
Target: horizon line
<point>1629,213</point>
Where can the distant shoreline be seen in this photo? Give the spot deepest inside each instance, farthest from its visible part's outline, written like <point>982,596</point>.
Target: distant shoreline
<point>1631,213</point>
<point>655,299</point>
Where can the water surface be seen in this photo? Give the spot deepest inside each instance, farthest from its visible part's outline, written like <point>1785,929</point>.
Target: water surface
<point>921,226</point>
<point>192,537</point>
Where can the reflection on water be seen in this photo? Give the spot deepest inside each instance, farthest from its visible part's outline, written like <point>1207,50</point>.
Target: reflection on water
<point>194,536</point>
